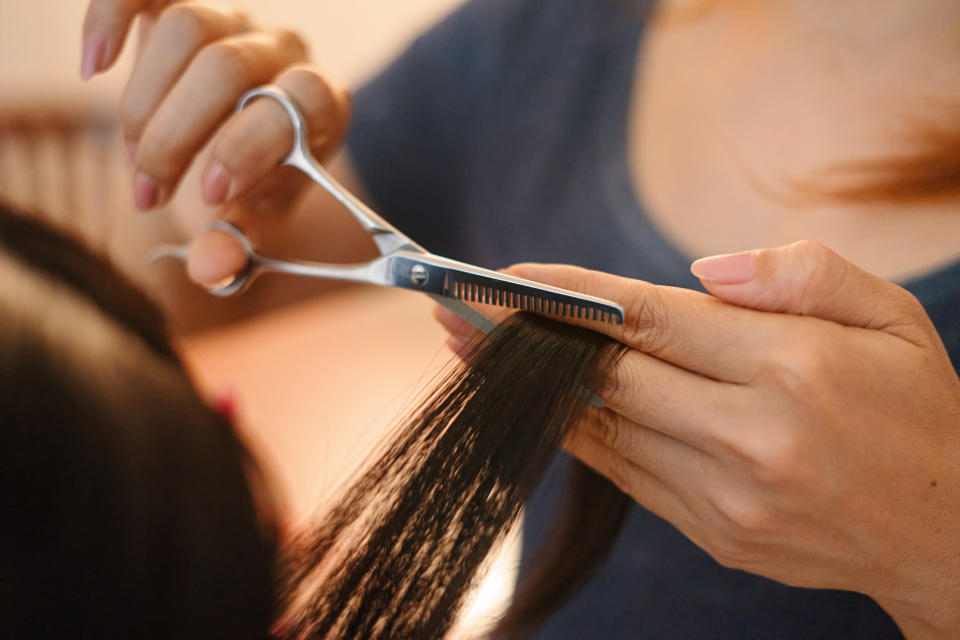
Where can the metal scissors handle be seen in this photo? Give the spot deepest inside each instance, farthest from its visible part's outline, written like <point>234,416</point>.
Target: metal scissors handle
<point>387,238</point>
<point>402,263</point>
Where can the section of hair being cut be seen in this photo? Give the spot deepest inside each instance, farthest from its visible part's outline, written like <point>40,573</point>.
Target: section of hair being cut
<point>128,503</point>
<point>403,546</point>
<point>131,502</point>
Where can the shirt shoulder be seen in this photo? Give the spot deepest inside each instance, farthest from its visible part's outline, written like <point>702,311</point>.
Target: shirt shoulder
<point>417,125</point>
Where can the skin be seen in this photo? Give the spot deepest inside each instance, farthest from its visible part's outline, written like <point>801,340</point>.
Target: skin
<point>196,159</point>
<point>731,418</point>
<point>733,103</point>
<point>803,421</point>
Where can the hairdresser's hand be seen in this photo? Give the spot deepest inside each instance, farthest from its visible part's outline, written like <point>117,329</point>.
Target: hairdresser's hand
<point>193,64</point>
<point>804,424</point>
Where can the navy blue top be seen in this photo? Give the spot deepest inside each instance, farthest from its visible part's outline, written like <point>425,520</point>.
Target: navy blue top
<point>500,137</point>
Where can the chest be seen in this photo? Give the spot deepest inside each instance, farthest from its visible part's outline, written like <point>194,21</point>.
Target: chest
<point>717,143</point>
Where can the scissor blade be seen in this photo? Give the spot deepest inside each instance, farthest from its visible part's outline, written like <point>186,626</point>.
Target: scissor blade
<point>484,324</point>
<point>471,287</point>
<point>449,278</point>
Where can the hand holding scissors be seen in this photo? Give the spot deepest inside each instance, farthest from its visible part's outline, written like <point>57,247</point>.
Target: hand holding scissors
<point>402,263</point>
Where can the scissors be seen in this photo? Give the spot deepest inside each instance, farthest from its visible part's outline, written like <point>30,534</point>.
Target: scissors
<point>402,262</point>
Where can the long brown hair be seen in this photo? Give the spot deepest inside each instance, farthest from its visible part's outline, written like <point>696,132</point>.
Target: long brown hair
<point>126,506</point>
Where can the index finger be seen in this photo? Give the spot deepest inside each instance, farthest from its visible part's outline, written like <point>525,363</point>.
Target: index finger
<point>105,28</point>
<point>687,328</point>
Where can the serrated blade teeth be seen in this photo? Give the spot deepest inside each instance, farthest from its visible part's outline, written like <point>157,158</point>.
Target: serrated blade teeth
<point>505,297</point>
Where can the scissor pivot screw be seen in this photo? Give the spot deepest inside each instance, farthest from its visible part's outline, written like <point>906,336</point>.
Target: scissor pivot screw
<point>418,275</point>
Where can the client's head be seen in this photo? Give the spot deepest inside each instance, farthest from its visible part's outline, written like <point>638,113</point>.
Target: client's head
<point>128,503</point>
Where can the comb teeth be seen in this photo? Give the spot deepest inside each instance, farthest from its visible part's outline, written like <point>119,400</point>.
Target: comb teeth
<point>513,296</point>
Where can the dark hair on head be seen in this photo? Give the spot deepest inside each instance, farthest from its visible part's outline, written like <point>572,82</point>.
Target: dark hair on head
<point>127,501</point>
<point>127,512</point>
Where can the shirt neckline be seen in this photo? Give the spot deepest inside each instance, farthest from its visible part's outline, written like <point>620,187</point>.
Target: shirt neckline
<point>626,202</point>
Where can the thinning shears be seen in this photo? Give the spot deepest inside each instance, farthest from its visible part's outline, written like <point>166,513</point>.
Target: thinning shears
<point>402,263</point>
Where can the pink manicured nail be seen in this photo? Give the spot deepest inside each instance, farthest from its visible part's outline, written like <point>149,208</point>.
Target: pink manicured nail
<point>131,148</point>
<point>216,184</point>
<point>732,268</point>
<point>146,194</point>
<point>94,48</point>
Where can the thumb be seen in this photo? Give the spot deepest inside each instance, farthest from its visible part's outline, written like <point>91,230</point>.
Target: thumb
<point>806,278</point>
<point>215,257</point>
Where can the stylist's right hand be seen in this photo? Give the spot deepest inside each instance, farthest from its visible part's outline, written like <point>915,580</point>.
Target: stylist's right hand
<point>188,148</point>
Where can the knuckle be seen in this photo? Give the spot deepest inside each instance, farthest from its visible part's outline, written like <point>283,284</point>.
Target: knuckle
<point>608,427</point>
<point>802,369</point>
<point>812,255</point>
<point>776,460</point>
<point>240,19</point>
<point>908,307</point>
<point>289,40</point>
<point>779,459</point>
<point>644,317</point>
<point>245,154</point>
<point>192,23</point>
<point>822,273</point>
<point>909,304</point>
<point>155,158</point>
<point>230,62</point>
<point>745,518</point>
<point>619,382</point>
<point>313,95</point>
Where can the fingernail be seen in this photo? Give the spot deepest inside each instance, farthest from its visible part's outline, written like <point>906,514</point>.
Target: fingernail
<point>146,194</point>
<point>596,427</point>
<point>131,148</point>
<point>92,58</point>
<point>216,184</point>
<point>732,268</point>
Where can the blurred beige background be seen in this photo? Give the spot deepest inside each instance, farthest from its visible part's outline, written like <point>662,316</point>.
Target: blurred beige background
<point>40,41</point>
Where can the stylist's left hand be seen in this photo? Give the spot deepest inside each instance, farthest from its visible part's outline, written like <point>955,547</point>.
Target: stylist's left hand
<point>804,424</point>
